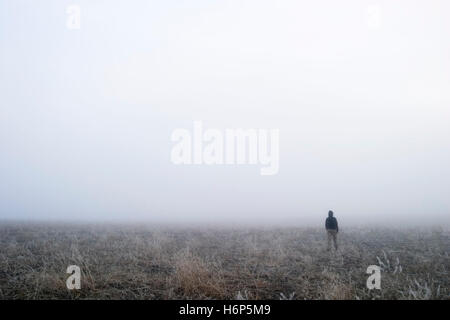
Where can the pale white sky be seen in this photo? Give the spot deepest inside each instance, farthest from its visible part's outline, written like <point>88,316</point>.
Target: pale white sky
<point>363,112</point>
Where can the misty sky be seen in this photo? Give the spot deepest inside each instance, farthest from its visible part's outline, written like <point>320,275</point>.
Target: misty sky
<point>362,109</point>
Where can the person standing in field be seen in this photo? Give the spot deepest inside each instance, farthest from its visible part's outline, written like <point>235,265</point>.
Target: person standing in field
<point>331,225</point>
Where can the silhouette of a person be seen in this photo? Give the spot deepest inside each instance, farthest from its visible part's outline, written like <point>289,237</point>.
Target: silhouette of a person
<point>331,225</point>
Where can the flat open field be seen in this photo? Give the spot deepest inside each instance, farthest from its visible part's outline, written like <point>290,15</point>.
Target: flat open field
<point>145,262</point>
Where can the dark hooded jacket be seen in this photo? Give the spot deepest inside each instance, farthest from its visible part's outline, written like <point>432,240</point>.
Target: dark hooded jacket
<point>331,222</point>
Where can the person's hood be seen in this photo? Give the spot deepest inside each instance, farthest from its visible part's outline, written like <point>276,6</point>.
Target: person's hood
<point>330,213</point>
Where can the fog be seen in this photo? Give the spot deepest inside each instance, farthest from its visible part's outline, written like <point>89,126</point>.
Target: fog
<point>359,92</point>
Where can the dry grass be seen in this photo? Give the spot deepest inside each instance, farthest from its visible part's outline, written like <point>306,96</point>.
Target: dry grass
<point>144,262</point>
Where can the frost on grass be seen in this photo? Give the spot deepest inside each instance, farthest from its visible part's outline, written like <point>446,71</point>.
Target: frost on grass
<point>149,262</point>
